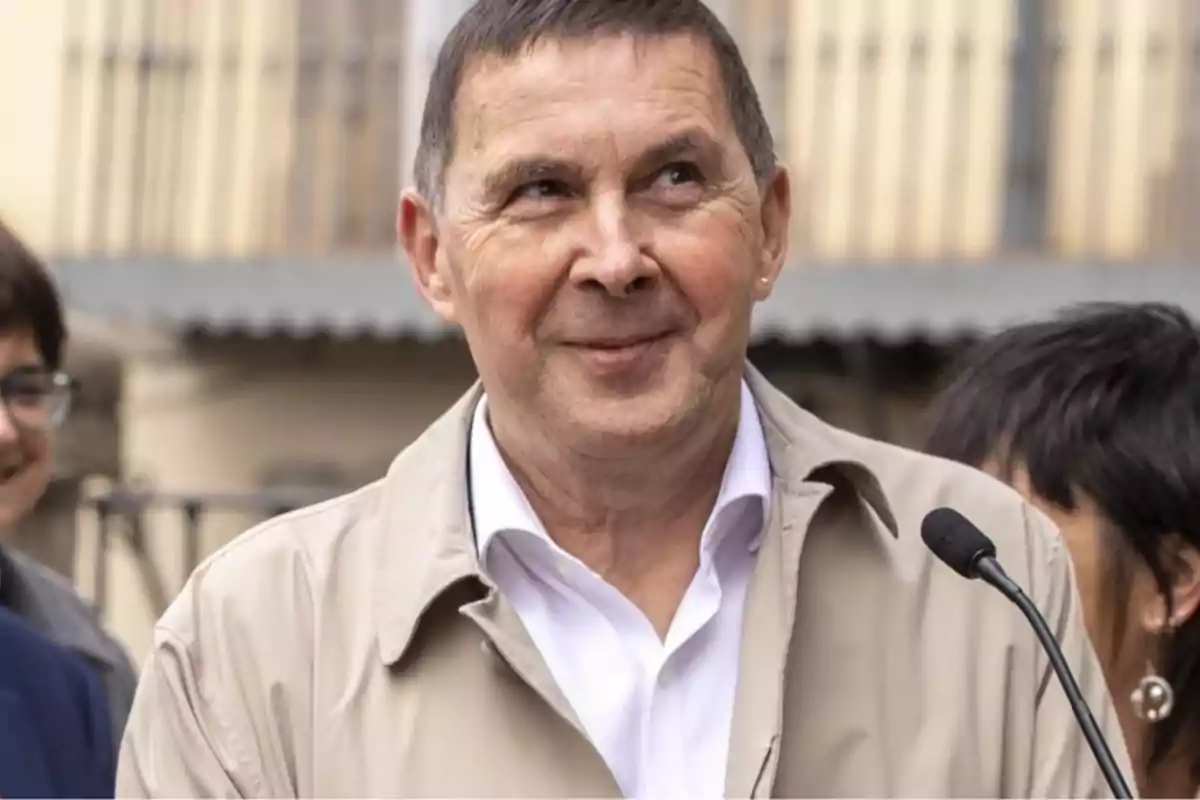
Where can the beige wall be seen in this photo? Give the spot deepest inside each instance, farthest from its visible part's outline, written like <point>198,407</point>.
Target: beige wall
<point>893,156</point>
<point>890,160</point>
<point>898,158</point>
<point>30,68</point>
<point>226,146</point>
<point>213,423</point>
<point>1119,132</point>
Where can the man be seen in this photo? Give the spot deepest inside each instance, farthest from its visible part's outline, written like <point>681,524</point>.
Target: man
<point>623,565</point>
<point>36,397</point>
<point>1094,416</point>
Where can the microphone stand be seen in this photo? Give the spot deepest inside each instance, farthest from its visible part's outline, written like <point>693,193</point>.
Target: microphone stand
<point>990,571</point>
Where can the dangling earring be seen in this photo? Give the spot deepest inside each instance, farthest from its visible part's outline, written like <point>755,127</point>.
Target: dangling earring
<point>1153,699</point>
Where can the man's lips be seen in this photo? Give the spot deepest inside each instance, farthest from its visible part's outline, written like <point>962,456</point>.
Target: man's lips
<point>619,343</point>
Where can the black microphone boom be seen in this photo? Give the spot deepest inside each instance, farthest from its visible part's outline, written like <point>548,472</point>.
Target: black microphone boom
<point>969,552</point>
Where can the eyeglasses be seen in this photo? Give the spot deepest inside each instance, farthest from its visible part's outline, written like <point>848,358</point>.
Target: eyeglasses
<point>35,398</point>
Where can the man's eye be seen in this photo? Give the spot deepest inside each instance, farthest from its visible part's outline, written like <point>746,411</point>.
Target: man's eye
<point>541,190</point>
<point>679,174</point>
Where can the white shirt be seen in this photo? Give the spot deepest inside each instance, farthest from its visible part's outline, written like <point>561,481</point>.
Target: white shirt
<point>658,711</point>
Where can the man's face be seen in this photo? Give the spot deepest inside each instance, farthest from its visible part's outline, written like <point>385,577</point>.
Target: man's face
<point>25,463</point>
<point>602,237</point>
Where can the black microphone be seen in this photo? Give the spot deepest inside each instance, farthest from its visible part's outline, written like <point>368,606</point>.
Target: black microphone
<point>969,552</point>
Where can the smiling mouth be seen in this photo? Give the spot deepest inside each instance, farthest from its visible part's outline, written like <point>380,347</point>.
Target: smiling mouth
<point>8,473</point>
<point>623,357</point>
<point>616,345</point>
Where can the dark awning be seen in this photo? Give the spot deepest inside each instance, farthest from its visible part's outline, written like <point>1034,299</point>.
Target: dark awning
<point>377,299</point>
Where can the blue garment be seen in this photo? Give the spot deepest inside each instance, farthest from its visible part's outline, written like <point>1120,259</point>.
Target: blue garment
<point>55,729</point>
<point>48,602</point>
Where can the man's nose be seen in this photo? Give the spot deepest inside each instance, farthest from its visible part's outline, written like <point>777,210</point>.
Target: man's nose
<point>615,262</point>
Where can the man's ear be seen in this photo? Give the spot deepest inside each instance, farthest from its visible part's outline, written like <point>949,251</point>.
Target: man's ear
<point>776,215</point>
<point>416,227</point>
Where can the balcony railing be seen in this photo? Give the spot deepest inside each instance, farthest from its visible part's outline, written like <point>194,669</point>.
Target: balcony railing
<point>916,129</point>
<point>132,516</point>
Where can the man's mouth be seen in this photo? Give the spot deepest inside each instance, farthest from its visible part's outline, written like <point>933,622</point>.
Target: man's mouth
<point>621,342</point>
<point>10,472</point>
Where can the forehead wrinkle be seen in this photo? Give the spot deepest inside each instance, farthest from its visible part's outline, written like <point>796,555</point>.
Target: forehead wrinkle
<point>514,91</point>
<point>501,93</point>
<point>478,102</point>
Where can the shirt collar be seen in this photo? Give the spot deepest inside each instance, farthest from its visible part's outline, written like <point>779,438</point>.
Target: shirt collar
<point>497,503</point>
<point>423,533</point>
<point>499,506</point>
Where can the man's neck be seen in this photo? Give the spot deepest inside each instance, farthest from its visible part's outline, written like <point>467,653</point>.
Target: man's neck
<point>616,514</point>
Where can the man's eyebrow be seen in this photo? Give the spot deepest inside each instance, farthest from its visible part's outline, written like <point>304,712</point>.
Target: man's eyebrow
<point>693,143</point>
<point>520,171</point>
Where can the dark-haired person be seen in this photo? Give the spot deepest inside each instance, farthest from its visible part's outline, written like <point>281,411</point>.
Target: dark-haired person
<point>622,564</point>
<point>36,398</point>
<point>1094,416</point>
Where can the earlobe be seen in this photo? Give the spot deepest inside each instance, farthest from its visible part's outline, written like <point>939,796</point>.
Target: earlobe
<point>1154,616</point>
<point>417,230</point>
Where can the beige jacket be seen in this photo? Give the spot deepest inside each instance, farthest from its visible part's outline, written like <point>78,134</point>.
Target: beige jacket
<point>353,649</point>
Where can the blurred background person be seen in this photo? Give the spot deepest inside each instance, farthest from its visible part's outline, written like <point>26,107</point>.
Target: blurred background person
<point>1094,416</point>
<point>36,400</point>
<point>55,728</point>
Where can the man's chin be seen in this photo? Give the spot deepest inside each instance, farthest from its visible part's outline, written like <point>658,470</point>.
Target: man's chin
<point>625,424</point>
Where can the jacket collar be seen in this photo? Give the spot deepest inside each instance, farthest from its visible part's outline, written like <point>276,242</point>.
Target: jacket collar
<point>49,603</point>
<point>422,519</point>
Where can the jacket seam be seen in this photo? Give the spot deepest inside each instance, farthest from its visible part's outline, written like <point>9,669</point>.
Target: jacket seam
<point>228,744</point>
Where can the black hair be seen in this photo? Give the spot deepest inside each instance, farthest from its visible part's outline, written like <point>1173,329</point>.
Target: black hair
<point>29,299</point>
<point>1100,403</point>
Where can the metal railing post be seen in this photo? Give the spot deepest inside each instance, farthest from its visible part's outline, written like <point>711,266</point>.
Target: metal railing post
<point>192,510</point>
<point>100,566</point>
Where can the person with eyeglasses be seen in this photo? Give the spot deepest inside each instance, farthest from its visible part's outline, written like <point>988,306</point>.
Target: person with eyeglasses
<point>66,686</point>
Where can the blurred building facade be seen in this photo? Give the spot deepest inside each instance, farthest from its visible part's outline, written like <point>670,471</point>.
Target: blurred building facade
<point>215,183</point>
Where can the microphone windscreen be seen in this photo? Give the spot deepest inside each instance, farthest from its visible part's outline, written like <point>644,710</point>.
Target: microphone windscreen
<point>955,540</point>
